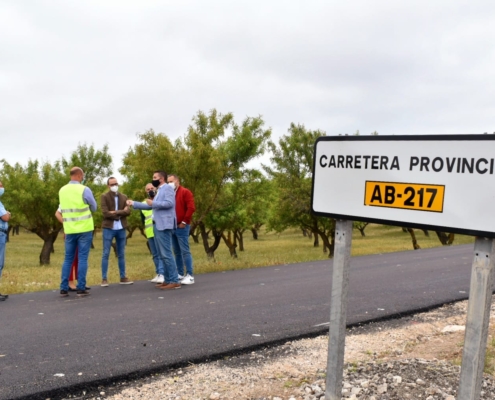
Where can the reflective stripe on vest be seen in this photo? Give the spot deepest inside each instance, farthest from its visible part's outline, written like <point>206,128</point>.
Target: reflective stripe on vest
<point>148,223</point>
<point>75,213</point>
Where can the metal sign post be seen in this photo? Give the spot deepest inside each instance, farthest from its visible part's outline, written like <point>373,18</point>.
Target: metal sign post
<point>338,309</point>
<point>478,317</point>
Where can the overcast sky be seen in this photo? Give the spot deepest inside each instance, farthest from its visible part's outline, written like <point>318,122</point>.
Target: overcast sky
<point>102,71</point>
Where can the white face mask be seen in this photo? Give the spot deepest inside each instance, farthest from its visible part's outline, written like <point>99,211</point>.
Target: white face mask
<point>172,184</point>
<point>114,189</point>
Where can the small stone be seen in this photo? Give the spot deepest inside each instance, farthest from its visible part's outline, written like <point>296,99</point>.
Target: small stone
<point>397,379</point>
<point>382,388</point>
<point>420,381</point>
<point>214,396</point>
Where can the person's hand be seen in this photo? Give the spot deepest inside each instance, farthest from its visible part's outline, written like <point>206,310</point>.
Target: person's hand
<point>182,225</point>
<point>149,202</point>
<point>126,208</point>
<point>129,203</point>
<point>111,212</point>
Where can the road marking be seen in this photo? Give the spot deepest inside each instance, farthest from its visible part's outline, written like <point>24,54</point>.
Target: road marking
<point>323,324</point>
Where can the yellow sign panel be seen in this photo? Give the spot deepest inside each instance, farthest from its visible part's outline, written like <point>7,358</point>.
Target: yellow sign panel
<point>411,196</point>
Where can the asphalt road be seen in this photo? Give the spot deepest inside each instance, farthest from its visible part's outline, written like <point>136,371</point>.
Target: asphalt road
<point>121,329</point>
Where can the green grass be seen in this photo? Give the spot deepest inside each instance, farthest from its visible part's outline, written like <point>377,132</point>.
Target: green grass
<point>22,272</point>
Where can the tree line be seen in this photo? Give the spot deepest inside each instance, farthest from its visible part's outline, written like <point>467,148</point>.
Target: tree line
<point>213,159</point>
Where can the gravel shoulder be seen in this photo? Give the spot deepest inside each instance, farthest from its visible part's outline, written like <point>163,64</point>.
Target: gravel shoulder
<point>417,356</point>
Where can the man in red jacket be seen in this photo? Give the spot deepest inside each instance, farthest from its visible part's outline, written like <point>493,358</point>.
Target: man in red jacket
<point>184,208</point>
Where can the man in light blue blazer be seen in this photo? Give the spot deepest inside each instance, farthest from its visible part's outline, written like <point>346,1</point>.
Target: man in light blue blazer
<point>164,223</point>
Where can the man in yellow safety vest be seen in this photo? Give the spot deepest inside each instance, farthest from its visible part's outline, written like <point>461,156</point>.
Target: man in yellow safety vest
<point>76,204</point>
<point>148,230</point>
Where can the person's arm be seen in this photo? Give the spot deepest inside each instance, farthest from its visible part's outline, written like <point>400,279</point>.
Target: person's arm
<point>138,205</point>
<point>4,214</point>
<point>89,199</point>
<point>166,201</point>
<point>59,217</point>
<point>107,214</point>
<point>126,211</point>
<point>190,207</point>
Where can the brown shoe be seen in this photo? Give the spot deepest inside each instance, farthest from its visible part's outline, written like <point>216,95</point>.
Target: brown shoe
<point>82,293</point>
<point>104,283</point>
<point>170,286</point>
<point>126,281</point>
<point>159,285</point>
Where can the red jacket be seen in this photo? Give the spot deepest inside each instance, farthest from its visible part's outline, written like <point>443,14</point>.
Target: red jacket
<point>184,205</point>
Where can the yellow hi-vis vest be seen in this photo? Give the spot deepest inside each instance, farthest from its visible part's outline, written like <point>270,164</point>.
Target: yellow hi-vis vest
<point>148,223</point>
<point>75,212</point>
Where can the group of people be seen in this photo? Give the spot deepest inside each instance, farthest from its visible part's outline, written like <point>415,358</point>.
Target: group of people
<point>166,213</point>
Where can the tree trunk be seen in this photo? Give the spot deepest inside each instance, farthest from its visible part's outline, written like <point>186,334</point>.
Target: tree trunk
<point>442,236</point>
<point>194,233</point>
<point>230,244</point>
<point>451,238</point>
<point>326,242</point>
<point>361,230</point>
<point>316,242</point>
<point>130,231</point>
<point>240,237</point>
<point>46,250</point>
<point>304,232</point>
<point>413,238</point>
<point>427,234</point>
<point>217,236</point>
<point>255,233</point>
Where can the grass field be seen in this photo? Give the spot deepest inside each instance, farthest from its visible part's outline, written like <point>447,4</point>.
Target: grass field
<point>22,272</point>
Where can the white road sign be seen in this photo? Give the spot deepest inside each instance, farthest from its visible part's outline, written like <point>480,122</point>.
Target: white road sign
<point>439,182</point>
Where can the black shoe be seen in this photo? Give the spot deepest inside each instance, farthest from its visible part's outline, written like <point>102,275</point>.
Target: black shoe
<point>64,293</point>
<point>72,290</point>
<point>82,293</point>
<point>87,288</point>
<point>4,297</point>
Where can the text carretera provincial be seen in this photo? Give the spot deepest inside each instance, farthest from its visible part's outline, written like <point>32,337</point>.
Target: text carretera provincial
<point>459,165</point>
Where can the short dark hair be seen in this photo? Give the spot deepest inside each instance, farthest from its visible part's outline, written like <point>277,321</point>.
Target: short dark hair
<point>175,177</point>
<point>108,180</point>
<point>162,173</point>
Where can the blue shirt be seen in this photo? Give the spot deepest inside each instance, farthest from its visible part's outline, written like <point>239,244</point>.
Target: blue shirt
<point>118,223</point>
<point>3,224</point>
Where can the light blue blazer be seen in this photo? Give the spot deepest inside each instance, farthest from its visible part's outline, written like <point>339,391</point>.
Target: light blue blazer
<point>163,208</point>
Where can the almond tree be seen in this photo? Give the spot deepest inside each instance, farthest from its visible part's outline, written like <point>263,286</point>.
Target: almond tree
<point>292,171</point>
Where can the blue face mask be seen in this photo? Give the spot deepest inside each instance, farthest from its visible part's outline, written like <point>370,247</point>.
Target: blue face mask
<point>2,191</point>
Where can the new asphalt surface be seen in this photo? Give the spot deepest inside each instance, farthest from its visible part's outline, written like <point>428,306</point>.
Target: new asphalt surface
<point>48,343</point>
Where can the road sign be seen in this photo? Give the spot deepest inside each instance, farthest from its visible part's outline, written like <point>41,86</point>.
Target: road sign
<point>428,182</point>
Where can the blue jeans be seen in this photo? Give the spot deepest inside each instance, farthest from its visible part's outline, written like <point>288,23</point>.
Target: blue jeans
<point>180,243</point>
<point>108,235</point>
<point>156,257</point>
<point>81,242</point>
<point>3,240</point>
<point>163,241</point>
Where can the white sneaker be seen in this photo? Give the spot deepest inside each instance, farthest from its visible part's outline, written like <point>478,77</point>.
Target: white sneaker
<point>187,280</point>
<point>160,279</point>
<point>154,279</point>
<point>180,277</point>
